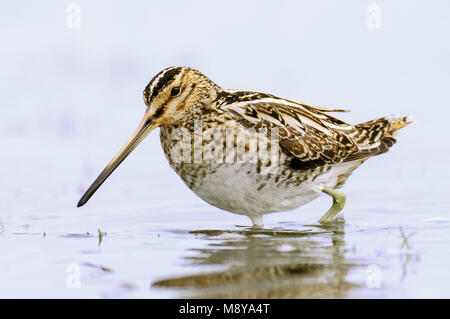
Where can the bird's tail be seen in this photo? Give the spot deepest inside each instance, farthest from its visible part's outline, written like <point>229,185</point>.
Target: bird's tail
<point>373,138</point>
<point>376,136</point>
<point>372,132</point>
<point>398,123</point>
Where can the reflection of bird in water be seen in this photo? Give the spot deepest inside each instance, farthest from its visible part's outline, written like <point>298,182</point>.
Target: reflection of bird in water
<point>262,154</point>
<point>274,263</point>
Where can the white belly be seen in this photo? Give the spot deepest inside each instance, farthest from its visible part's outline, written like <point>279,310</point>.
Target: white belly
<point>230,188</point>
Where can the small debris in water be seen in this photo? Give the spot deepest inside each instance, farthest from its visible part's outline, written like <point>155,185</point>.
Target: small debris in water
<point>100,236</point>
<point>100,267</point>
<point>128,286</point>
<point>405,239</point>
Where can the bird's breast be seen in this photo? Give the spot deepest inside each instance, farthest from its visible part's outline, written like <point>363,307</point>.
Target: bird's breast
<point>236,183</point>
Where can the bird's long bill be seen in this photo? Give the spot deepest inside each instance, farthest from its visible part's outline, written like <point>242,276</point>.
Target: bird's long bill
<point>144,128</point>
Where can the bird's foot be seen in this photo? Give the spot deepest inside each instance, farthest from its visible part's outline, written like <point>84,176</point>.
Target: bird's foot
<point>338,204</point>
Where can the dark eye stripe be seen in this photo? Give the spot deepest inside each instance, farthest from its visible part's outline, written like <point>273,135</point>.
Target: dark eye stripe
<point>159,112</point>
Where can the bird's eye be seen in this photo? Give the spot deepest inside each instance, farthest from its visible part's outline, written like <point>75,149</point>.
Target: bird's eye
<point>175,91</point>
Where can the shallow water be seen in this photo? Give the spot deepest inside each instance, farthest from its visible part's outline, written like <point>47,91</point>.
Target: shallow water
<point>189,249</point>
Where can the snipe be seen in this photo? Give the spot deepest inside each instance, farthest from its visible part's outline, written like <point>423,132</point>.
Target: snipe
<point>252,153</point>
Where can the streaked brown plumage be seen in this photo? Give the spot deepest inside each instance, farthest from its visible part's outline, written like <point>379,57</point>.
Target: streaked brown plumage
<point>316,152</point>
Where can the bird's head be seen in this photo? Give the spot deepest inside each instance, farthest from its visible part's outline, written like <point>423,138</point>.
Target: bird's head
<point>176,92</point>
<point>172,96</point>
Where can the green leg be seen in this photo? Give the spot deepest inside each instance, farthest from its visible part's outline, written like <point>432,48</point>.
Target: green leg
<point>338,204</point>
